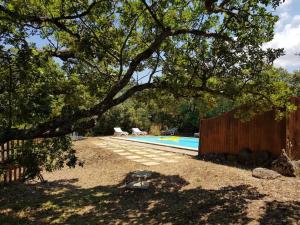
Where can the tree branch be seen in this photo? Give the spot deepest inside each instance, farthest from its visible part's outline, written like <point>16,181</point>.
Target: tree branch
<point>153,15</point>
<point>54,20</point>
<point>62,54</point>
<point>65,124</point>
<point>84,13</point>
<point>202,34</point>
<point>124,45</point>
<point>132,91</point>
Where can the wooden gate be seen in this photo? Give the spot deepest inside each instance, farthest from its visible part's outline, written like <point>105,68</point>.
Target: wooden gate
<point>10,171</point>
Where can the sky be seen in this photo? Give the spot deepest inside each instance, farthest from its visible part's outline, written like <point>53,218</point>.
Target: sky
<point>287,35</point>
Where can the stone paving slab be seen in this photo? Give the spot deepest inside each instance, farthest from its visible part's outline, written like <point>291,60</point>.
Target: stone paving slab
<point>118,150</point>
<point>166,160</point>
<point>158,158</point>
<point>167,154</point>
<point>143,153</point>
<point>151,155</point>
<point>170,161</point>
<point>150,163</point>
<point>140,160</point>
<point>133,157</point>
<point>124,153</point>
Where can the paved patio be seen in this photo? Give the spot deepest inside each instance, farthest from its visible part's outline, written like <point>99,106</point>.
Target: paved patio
<point>146,154</point>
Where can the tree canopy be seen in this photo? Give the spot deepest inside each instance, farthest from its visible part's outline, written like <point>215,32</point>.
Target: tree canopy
<point>65,63</point>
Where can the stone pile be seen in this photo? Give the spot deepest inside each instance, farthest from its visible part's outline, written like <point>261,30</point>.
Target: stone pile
<point>283,165</point>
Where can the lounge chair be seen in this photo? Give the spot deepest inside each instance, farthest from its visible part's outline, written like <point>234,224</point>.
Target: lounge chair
<point>171,131</point>
<point>197,134</point>
<point>119,132</point>
<point>137,131</point>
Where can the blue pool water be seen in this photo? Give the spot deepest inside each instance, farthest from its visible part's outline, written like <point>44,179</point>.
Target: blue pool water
<point>175,141</point>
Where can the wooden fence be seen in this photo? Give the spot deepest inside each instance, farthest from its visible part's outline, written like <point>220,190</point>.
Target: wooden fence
<point>293,131</point>
<point>10,171</point>
<point>226,134</point>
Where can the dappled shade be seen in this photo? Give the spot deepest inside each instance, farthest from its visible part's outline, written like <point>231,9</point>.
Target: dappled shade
<point>167,201</point>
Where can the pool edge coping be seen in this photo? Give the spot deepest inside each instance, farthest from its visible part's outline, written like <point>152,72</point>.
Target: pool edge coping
<point>153,143</point>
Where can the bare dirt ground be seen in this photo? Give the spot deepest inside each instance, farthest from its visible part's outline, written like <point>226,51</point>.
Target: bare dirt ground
<point>190,191</point>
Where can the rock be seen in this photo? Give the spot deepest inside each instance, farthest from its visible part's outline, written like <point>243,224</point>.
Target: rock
<point>297,165</point>
<point>264,173</point>
<point>138,185</point>
<point>262,158</point>
<point>245,156</point>
<point>141,174</point>
<point>284,165</point>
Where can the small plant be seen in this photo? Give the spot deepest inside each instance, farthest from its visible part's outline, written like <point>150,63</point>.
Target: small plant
<point>155,130</point>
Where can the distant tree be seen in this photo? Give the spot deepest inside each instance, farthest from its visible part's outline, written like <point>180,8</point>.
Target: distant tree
<point>127,115</point>
<point>294,82</point>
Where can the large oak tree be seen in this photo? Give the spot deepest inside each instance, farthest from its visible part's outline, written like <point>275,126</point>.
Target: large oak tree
<point>64,63</point>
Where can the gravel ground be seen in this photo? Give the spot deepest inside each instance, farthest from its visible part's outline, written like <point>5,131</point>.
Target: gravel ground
<point>190,191</point>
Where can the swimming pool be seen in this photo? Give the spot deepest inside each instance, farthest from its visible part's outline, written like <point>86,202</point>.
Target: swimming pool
<point>173,141</point>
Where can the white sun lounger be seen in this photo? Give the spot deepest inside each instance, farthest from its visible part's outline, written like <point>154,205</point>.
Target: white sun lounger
<point>119,132</point>
<point>137,131</point>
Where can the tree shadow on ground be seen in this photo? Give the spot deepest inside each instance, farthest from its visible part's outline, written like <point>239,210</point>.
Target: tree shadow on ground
<point>289,213</point>
<point>166,201</point>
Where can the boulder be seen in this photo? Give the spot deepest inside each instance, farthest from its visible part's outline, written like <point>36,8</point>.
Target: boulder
<point>245,156</point>
<point>142,185</point>
<point>297,165</point>
<point>263,173</point>
<point>141,174</point>
<point>284,165</point>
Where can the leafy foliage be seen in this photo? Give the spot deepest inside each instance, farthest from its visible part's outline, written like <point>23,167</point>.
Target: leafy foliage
<point>294,82</point>
<point>47,154</point>
<point>126,115</point>
<point>163,109</point>
<point>41,154</point>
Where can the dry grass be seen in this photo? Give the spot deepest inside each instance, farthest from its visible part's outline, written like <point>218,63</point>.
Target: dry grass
<point>188,192</point>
